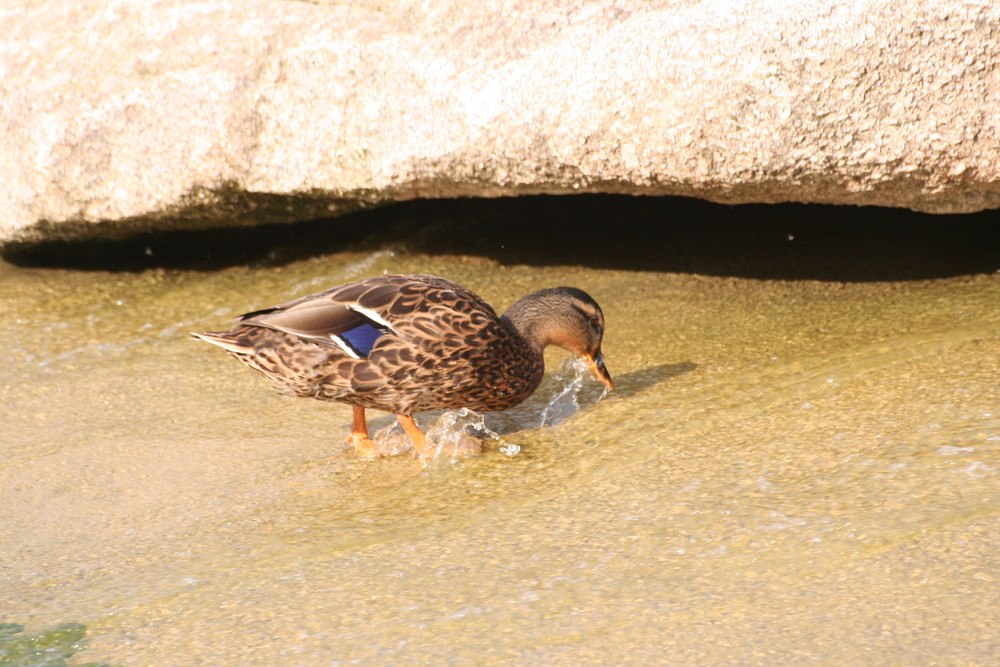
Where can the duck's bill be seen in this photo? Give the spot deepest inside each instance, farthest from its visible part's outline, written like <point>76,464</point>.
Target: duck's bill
<point>599,370</point>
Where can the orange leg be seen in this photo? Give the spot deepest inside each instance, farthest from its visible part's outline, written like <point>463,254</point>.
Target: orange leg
<point>364,446</point>
<point>416,435</point>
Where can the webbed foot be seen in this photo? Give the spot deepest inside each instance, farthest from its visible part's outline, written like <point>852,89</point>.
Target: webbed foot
<point>364,447</point>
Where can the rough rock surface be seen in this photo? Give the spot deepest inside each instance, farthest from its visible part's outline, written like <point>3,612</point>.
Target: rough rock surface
<point>145,113</point>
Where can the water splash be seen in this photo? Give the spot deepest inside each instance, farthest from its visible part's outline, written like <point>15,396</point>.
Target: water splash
<point>452,431</point>
<point>455,433</point>
<point>460,433</point>
<point>572,376</point>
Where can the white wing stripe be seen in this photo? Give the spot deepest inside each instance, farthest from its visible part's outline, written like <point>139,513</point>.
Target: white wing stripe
<point>344,346</point>
<point>374,317</point>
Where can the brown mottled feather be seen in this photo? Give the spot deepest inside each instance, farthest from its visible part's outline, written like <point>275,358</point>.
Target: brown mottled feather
<point>442,346</point>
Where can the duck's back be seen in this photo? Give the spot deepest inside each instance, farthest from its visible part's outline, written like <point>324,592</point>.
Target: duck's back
<point>402,343</point>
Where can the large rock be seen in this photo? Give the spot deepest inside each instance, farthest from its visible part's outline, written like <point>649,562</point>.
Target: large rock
<point>178,113</point>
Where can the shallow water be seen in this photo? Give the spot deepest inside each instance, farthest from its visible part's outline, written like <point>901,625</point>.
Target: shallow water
<point>790,469</point>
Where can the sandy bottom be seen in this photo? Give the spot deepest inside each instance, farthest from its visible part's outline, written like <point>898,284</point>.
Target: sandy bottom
<point>791,470</point>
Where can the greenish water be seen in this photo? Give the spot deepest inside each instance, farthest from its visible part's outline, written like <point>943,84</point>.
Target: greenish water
<point>45,648</point>
<point>799,463</point>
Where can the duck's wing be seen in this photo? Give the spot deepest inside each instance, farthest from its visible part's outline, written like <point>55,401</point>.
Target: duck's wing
<point>354,316</point>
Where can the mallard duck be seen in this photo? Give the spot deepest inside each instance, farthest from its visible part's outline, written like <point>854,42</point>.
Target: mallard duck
<point>411,343</point>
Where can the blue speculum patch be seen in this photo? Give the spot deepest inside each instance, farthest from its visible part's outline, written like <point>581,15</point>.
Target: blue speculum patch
<point>362,338</point>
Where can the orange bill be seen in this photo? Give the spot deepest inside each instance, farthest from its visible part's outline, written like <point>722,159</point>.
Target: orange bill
<point>597,368</point>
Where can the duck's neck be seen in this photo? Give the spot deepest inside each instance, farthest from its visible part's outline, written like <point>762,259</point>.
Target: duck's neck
<point>523,321</point>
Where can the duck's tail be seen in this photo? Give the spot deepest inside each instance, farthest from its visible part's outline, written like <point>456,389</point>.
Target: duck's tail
<point>225,340</point>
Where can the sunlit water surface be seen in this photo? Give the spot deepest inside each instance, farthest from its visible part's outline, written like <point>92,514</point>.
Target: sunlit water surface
<point>788,470</point>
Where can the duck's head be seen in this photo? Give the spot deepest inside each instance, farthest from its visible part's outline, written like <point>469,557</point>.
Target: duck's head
<point>567,317</point>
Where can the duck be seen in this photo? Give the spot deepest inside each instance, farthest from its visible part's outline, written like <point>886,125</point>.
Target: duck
<point>411,343</point>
